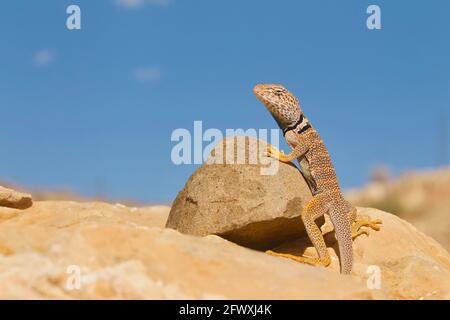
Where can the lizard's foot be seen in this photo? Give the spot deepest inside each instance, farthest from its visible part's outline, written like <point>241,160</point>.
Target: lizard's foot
<point>312,261</point>
<point>356,227</point>
<point>273,152</point>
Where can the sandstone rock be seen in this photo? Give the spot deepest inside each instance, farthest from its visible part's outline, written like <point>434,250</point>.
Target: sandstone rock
<point>411,264</point>
<point>125,254</point>
<point>238,202</point>
<point>14,199</point>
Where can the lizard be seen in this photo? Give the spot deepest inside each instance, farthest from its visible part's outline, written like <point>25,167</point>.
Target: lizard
<point>318,170</point>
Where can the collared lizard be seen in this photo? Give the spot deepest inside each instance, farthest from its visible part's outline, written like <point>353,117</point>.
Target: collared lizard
<point>318,170</point>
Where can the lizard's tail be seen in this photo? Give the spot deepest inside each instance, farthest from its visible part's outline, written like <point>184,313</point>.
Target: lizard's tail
<point>343,233</point>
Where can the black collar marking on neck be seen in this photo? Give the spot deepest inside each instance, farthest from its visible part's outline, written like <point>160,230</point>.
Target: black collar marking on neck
<point>305,128</point>
<point>294,125</point>
<point>308,126</point>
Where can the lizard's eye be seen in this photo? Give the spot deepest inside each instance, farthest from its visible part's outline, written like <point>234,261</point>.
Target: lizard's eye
<point>278,91</point>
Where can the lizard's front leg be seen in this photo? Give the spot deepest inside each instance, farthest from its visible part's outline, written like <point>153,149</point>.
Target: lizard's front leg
<point>273,152</point>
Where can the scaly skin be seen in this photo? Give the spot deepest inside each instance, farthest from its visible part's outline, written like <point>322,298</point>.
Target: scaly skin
<point>318,170</point>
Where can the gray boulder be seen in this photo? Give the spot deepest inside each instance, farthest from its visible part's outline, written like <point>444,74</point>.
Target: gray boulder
<point>241,202</point>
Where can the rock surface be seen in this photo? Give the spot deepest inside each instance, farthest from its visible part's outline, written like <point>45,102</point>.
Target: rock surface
<point>121,252</point>
<point>14,199</point>
<point>238,202</point>
<point>411,265</point>
<point>125,253</point>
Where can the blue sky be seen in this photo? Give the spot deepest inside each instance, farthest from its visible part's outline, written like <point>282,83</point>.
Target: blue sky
<point>92,110</point>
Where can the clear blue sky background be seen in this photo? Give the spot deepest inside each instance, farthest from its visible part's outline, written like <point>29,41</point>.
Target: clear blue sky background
<point>93,110</point>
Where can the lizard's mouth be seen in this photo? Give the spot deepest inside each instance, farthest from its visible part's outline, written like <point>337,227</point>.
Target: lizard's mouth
<point>258,91</point>
<point>262,95</point>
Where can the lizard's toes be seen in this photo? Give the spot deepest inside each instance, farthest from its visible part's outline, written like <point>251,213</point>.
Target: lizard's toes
<point>375,224</point>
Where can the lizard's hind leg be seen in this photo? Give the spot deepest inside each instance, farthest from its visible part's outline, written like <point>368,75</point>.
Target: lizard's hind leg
<point>315,209</point>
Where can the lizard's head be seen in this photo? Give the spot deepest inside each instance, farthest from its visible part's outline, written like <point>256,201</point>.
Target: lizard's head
<point>282,104</point>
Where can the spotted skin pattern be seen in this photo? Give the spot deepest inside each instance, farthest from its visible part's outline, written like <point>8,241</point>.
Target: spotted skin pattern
<point>318,170</point>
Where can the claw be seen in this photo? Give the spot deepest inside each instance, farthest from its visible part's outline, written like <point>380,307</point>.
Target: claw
<point>356,234</point>
<point>373,224</point>
<point>274,153</point>
<point>269,151</point>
